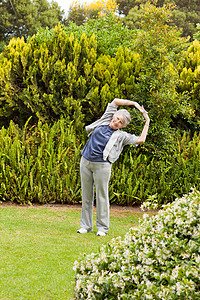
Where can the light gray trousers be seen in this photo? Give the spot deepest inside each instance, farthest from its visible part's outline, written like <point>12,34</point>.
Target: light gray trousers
<point>98,174</point>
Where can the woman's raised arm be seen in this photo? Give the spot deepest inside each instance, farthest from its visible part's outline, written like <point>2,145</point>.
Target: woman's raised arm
<point>143,135</point>
<point>117,101</point>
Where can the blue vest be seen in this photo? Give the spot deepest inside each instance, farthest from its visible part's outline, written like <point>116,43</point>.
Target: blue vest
<point>93,150</point>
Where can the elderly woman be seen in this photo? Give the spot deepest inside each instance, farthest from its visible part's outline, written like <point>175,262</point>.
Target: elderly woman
<point>105,144</point>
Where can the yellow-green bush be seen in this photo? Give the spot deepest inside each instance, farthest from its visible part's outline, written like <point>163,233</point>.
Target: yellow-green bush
<point>62,76</point>
<point>189,85</point>
<point>46,80</point>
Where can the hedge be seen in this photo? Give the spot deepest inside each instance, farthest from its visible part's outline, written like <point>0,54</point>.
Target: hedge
<point>41,164</point>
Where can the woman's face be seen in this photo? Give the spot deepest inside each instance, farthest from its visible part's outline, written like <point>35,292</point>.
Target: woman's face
<point>117,122</point>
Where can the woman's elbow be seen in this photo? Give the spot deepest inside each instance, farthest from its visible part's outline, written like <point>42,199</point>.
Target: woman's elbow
<point>140,140</point>
<point>114,101</point>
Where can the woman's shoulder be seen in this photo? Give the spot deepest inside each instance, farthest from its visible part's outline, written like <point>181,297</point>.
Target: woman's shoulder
<point>128,138</point>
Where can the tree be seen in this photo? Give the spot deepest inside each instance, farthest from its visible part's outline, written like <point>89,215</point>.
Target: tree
<point>185,15</point>
<point>124,6</point>
<point>79,13</point>
<point>24,17</point>
<point>160,48</point>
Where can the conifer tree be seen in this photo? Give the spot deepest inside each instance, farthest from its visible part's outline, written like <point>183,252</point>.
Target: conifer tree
<point>24,17</point>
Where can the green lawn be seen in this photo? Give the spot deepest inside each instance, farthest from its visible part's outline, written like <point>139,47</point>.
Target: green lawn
<point>38,247</point>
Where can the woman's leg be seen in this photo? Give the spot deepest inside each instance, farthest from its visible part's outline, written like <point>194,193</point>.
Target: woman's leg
<point>87,189</point>
<point>102,173</point>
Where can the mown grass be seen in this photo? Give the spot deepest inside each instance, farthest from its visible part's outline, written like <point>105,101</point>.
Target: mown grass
<point>38,247</point>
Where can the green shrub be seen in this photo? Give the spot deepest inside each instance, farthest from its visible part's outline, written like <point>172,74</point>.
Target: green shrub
<point>45,80</point>
<point>158,260</point>
<point>189,85</point>
<point>60,75</point>
<point>110,35</point>
<point>39,164</point>
<point>160,49</point>
<point>138,174</point>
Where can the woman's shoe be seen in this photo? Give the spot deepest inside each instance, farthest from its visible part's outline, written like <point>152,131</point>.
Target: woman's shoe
<point>101,233</point>
<point>82,230</point>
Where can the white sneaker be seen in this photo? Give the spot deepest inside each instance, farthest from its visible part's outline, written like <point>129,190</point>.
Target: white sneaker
<point>101,233</point>
<point>82,230</point>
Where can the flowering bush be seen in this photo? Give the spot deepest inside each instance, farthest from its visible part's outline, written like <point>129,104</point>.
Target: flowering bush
<point>79,12</point>
<point>158,260</point>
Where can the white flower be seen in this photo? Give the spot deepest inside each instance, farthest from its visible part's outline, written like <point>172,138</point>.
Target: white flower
<point>76,265</point>
<point>179,221</point>
<point>126,253</point>
<point>82,267</point>
<point>148,296</point>
<point>78,284</point>
<point>95,268</point>
<point>197,259</point>
<point>90,287</point>
<point>179,288</point>
<point>198,212</point>
<point>100,280</point>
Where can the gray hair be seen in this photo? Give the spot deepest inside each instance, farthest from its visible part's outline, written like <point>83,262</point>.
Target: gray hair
<point>125,115</point>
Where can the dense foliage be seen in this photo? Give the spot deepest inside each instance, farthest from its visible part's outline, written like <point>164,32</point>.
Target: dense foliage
<point>158,260</point>
<point>39,164</point>
<point>24,17</point>
<point>62,76</point>
<point>186,14</point>
<point>71,73</point>
<point>189,85</point>
<point>80,12</point>
<point>138,176</point>
<point>160,48</point>
<point>68,72</point>
<point>109,34</point>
